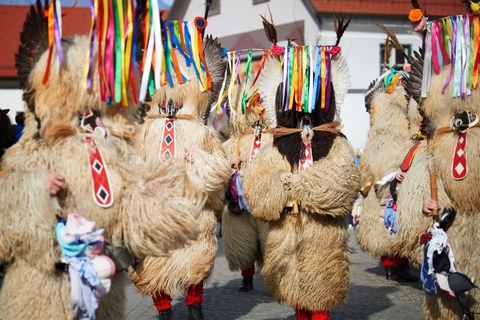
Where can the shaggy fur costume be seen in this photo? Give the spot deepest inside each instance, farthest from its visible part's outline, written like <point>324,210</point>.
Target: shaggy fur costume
<point>243,234</point>
<point>461,195</point>
<point>144,222</point>
<point>306,261</point>
<point>387,145</point>
<point>209,173</point>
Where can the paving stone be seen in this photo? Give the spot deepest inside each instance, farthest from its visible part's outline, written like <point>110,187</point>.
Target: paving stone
<point>370,296</point>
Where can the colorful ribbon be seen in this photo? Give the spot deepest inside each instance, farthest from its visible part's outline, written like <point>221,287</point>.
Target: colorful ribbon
<point>54,17</point>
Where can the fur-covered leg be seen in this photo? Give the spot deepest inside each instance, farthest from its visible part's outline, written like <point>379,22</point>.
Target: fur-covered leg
<point>441,307</point>
<point>112,305</point>
<point>240,240</point>
<point>27,291</point>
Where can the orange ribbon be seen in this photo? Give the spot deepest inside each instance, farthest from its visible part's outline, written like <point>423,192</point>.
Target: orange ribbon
<point>51,40</point>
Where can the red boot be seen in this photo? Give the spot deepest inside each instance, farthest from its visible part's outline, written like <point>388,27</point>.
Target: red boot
<point>303,314</point>
<point>194,302</point>
<point>320,315</point>
<point>163,302</point>
<point>247,282</point>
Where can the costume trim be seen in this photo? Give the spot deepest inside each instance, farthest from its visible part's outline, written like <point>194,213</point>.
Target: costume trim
<point>459,164</point>
<point>167,148</point>
<point>407,162</point>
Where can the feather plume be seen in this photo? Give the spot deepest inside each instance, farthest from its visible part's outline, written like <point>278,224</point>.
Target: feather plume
<point>269,28</point>
<point>413,84</point>
<point>216,65</point>
<point>340,26</point>
<point>394,41</point>
<point>413,87</point>
<point>387,51</point>
<point>374,87</point>
<point>415,4</point>
<point>33,43</point>
<point>468,6</point>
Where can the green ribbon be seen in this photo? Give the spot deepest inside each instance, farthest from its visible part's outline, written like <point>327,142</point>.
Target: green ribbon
<point>290,74</point>
<point>472,56</point>
<point>247,79</point>
<point>151,84</point>
<point>176,30</point>
<point>446,39</point>
<point>118,57</point>
<point>306,78</point>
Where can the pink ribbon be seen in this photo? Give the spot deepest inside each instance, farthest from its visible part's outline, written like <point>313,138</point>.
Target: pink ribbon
<point>435,33</point>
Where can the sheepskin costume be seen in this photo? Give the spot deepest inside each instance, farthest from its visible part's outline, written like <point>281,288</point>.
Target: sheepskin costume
<point>143,221</point>
<point>456,180</point>
<point>243,234</point>
<point>207,168</point>
<point>306,260</point>
<point>387,144</point>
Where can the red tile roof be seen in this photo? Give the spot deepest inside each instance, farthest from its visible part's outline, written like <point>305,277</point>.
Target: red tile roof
<point>77,21</point>
<point>11,23</point>
<point>434,8</point>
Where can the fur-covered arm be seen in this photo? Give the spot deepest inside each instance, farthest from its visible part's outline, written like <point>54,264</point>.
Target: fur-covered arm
<point>262,187</point>
<point>210,170</point>
<point>229,147</point>
<point>171,212</point>
<point>27,212</point>
<point>329,187</point>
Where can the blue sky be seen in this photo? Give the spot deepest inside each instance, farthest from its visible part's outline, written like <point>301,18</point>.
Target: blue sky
<point>162,4</point>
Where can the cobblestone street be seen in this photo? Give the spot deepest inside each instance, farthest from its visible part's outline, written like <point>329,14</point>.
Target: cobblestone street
<point>370,296</point>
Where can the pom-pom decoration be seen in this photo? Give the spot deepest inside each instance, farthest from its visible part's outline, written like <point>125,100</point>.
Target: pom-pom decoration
<point>415,15</point>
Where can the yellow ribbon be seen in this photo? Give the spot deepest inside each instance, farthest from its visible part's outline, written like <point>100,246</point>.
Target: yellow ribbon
<point>324,72</point>
<point>128,51</point>
<point>476,28</point>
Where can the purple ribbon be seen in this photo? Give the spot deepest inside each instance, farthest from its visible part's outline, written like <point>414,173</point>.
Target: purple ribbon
<point>58,41</point>
<point>452,53</point>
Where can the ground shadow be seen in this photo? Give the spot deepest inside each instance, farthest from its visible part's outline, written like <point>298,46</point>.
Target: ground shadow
<point>379,270</point>
<point>363,302</point>
<point>223,301</point>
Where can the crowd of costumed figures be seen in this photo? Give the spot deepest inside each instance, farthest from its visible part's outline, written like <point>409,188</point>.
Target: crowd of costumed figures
<point>120,174</point>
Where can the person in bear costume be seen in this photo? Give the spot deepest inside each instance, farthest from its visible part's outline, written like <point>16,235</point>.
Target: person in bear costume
<point>175,131</point>
<point>304,186</point>
<point>243,234</point>
<point>48,175</point>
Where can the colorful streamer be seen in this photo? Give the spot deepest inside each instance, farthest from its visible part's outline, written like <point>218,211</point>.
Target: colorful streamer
<point>306,78</point>
<point>54,16</point>
<point>114,23</point>
<point>453,41</point>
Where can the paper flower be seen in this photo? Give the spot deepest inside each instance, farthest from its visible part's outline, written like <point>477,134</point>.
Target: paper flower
<point>415,15</point>
<point>335,50</point>
<point>277,50</point>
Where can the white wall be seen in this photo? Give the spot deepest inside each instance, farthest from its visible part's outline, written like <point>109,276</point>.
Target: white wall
<point>355,120</point>
<point>362,52</point>
<point>11,99</point>
<point>237,16</point>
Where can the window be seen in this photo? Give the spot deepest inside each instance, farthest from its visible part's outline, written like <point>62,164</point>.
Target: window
<point>397,60</point>
<point>214,8</point>
<point>259,1</point>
